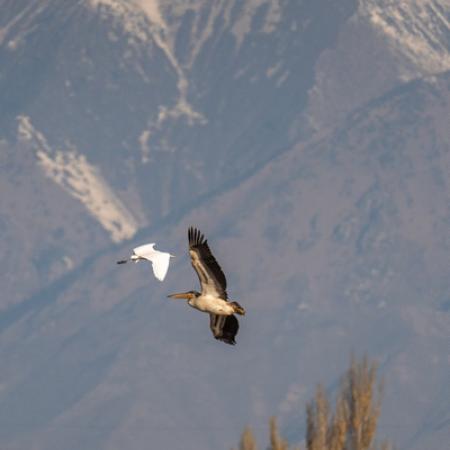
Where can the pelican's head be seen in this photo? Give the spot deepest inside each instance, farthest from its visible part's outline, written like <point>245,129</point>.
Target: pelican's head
<point>187,295</point>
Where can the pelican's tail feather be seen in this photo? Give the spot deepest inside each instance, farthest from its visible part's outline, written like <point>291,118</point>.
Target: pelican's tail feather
<point>238,309</point>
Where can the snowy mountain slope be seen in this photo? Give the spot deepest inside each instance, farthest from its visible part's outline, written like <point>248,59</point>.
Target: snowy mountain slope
<point>164,103</point>
<point>171,100</point>
<point>45,233</point>
<point>82,181</point>
<point>288,132</point>
<point>148,91</point>
<point>416,29</point>
<point>350,233</point>
<point>383,44</point>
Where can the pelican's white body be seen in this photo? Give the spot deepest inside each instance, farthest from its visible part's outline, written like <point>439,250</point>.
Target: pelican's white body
<point>211,304</point>
<point>160,260</point>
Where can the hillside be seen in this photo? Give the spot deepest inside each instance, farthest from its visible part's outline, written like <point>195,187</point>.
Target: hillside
<point>308,140</point>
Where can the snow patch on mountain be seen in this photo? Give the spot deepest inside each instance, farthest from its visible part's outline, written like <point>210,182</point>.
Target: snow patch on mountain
<point>144,20</point>
<point>145,149</point>
<point>20,21</point>
<point>151,9</point>
<point>244,23</point>
<point>416,29</point>
<point>26,132</point>
<point>160,22</point>
<point>81,180</point>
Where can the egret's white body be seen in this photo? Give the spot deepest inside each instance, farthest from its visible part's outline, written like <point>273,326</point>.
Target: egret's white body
<point>160,260</point>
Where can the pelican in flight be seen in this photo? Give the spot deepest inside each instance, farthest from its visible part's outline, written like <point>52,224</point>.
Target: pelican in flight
<point>160,260</point>
<point>213,298</point>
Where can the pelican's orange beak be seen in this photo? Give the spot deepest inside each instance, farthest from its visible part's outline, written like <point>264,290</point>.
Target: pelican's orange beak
<point>187,295</point>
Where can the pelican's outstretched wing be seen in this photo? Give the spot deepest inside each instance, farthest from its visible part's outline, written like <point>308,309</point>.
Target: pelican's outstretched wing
<point>212,279</point>
<point>224,328</point>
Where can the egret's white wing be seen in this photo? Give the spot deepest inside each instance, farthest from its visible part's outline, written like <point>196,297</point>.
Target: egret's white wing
<point>160,264</point>
<point>144,251</point>
<point>159,260</point>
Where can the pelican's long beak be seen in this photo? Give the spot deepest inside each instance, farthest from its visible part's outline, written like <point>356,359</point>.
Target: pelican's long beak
<point>187,295</point>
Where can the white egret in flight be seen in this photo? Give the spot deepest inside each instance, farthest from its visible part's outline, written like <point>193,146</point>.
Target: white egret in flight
<point>159,260</point>
<point>213,299</point>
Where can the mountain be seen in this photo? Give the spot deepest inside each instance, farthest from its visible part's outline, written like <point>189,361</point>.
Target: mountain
<point>155,105</point>
<point>307,140</point>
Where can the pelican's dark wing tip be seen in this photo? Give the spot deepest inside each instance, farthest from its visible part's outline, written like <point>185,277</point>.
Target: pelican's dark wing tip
<point>190,235</point>
<point>195,237</point>
<point>229,341</point>
<point>229,330</point>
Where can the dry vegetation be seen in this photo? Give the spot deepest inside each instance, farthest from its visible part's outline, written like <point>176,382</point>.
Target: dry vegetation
<point>351,426</point>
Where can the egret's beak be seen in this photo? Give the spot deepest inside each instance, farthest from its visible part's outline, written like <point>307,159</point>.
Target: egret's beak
<point>187,295</point>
